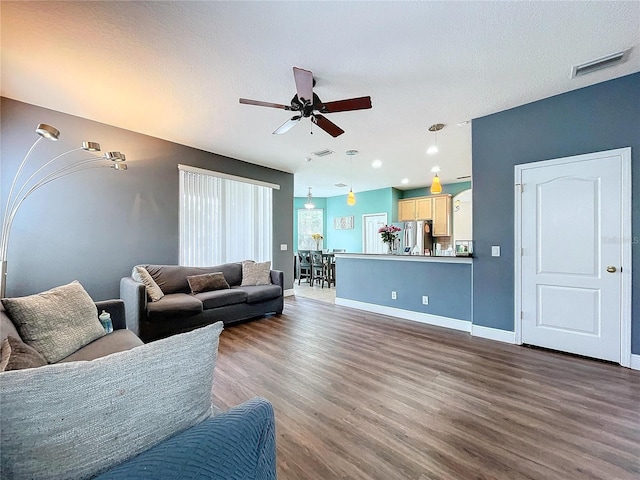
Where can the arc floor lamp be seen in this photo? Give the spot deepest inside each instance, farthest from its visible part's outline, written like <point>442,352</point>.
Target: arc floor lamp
<point>46,173</point>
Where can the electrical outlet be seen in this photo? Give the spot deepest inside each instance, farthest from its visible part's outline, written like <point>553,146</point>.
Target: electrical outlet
<point>425,300</point>
<point>393,296</point>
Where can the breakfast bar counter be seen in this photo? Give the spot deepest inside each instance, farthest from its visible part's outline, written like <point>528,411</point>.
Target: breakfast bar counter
<point>434,290</point>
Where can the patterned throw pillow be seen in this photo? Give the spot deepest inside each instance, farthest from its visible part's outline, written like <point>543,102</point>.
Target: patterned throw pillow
<point>56,322</point>
<point>63,420</point>
<point>17,355</point>
<point>154,292</point>
<point>255,273</point>
<point>207,282</point>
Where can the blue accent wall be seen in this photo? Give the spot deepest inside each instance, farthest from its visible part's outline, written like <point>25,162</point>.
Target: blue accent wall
<point>450,188</point>
<point>448,285</point>
<point>601,117</point>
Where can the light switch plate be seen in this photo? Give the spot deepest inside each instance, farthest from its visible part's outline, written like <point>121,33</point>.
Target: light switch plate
<point>495,250</point>
<point>283,246</point>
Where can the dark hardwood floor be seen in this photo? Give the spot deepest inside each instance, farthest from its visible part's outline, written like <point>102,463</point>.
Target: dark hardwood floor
<point>364,396</point>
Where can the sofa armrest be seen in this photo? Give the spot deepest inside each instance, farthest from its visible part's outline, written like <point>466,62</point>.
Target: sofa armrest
<point>277,278</point>
<point>234,445</point>
<point>115,308</point>
<point>134,295</point>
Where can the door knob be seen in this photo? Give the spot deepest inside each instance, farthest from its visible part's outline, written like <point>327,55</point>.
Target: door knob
<point>611,269</point>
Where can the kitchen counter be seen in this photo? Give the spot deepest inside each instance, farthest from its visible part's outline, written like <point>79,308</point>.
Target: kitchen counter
<point>434,290</point>
<point>405,258</point>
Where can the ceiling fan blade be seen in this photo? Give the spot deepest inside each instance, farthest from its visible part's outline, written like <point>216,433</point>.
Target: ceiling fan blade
<point>304,84</point>
<point>288,125</point>
<point>360,103</point>
<point>246,101</point>
<point>327,125</point>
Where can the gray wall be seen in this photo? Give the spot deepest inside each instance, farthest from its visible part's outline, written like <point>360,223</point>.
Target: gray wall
<point>95,225</point>
<point>447,284</point>
<point>601,117</point>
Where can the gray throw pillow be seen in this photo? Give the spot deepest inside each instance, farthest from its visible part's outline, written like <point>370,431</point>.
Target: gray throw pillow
<point>154,292</point>
<point>78,419</point>
<point>17,355</point>
<point>255,273</point>
<point>56,322</point>
<point>207,282</point>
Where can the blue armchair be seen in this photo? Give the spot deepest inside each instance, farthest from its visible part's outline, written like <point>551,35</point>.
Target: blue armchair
<point>234,445</point>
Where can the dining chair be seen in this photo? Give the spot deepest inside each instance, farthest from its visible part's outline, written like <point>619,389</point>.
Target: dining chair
<point>317,267</point>
<point>304,265</point>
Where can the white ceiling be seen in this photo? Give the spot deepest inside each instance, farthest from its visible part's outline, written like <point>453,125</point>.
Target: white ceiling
<point>176,70</point>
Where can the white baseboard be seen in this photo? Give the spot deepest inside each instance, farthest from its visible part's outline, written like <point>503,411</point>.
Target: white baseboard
<point>437,320</point>
<point>289,292</point>
<point>493,334</point>
<point>635,362</point>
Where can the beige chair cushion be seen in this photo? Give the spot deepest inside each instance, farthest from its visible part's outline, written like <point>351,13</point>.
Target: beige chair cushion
<point>153,290</point>
<point>255,273</point>
<point>56,322</point>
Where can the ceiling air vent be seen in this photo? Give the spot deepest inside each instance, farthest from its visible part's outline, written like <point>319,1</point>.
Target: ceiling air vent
<point>323,153</point>
<point>600,63</point>
<point>341,185</point>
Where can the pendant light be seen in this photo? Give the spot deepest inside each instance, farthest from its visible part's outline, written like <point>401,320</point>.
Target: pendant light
<point>309,205</point>
<point>351,197</point>
<point>436,186</point>
<point>435,128</point>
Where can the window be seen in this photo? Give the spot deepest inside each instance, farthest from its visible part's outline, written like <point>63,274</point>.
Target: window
<point>223,218</point>
<point>310,222</point>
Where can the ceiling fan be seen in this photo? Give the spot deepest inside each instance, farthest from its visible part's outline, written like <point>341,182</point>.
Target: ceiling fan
<point>307,103</point>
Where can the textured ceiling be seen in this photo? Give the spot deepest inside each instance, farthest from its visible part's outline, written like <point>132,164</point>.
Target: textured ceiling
<point>176,70</point>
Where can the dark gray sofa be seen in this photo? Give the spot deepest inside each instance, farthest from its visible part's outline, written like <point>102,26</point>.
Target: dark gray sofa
<point>180,311</point>
<point>119,340</point>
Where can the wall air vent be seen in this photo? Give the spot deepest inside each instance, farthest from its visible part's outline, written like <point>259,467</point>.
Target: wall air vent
<point>463,178</point>
<point>600,63</point>
<point>323,153</point>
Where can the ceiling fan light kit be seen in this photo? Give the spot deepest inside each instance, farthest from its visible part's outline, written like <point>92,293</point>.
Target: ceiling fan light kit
<point>309,105</point>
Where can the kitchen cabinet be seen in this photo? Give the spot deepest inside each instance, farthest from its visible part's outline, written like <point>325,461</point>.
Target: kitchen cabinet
<point>406,210</point>
<point>441,216</point>
<point>424,209</point>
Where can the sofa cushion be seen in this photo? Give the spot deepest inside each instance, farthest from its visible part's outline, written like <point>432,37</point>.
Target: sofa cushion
<point>173,278</point>
<point>207,282</point>
<point>220,298</point>
<point>256,273</point>
<point>154,292</point>
<point>174,305</point>
<point>56,322</point>
<point>116,341</point>
<point>7,328</point>
<point>260,293</point>
<point>78,419</point>
<point>16,355</point>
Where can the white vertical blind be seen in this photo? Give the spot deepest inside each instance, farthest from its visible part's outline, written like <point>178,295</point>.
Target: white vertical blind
<point>223,220</point>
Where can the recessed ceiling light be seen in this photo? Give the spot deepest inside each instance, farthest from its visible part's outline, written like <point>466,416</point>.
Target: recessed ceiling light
<point>435,169</point>
<point>308,159</point>
<point>376,163</point>
<point>404,181</point>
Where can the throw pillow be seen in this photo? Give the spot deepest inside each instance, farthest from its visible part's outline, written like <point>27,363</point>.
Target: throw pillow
<point>78,419</point>
<point>255,273</point>
<point>153,290</point>
<point>56,322</point>
<point>207,282</point>
<point>17,355</point>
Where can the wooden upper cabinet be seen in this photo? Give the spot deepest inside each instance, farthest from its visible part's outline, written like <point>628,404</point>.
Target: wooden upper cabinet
<point>424,208</point>
<point>406,210</point>
<point>441,216</point>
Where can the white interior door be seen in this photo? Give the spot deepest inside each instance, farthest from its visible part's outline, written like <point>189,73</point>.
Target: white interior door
<point>572,254</point>
<point>371,239</point>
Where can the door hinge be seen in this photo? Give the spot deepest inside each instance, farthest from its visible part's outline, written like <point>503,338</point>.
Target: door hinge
<point>521,315</point>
